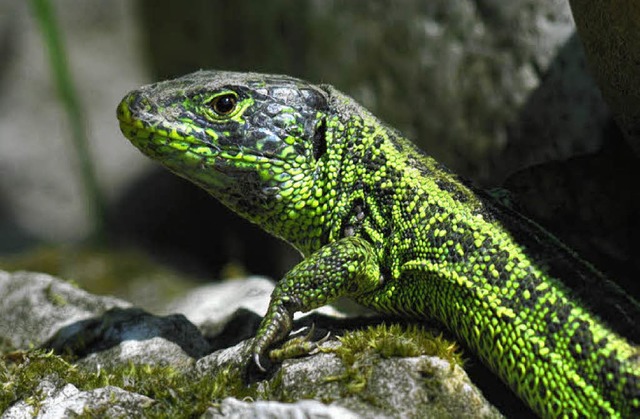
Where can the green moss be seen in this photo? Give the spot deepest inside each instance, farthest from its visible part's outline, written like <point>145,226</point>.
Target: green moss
<point>175,393</point>
<point>360,350</point>
<point>55,298</point>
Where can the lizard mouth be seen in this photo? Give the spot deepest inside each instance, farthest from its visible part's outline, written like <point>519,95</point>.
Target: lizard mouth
<point>167,144</point>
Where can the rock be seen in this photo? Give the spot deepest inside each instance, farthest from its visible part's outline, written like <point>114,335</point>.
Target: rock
<point>423,386</point>
<point>68,401</point>
<point>453,75</point>
<point>211,306</point>
<point>132,335</point>
<point>312,409</point>
<point>401,387</point>
<point>610,33</point>
<point>131,362</point>
<point>34,306</point>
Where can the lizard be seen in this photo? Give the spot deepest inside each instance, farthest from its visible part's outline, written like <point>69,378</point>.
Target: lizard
<point>381,222</point>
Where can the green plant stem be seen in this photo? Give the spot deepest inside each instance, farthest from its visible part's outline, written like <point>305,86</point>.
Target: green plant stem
<point>69,98</point>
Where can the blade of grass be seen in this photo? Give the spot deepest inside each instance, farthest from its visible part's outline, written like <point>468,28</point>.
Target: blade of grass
<point>69,98</point>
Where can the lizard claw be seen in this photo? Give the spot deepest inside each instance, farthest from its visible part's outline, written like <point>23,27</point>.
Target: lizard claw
<point>309,334</point>
<point>323,339</point>
<point>256,360</point>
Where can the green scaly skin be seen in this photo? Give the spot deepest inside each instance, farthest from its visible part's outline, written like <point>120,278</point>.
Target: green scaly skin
<point>380,222</point>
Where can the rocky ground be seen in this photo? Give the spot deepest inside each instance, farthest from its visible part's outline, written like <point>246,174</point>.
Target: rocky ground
<point>67,352</point>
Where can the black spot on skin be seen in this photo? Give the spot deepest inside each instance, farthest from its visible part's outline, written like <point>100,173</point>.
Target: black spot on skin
<point>352,223</point>
<point>424,171</point>
<point>385,196</point>
<point>542,391</point>
<point>320,140</point>
<point>417,164</point>
<point>554,327</point>
<point>410,234</point>
<point>610,366</point>
<point>601,344</point>
<point>563,313</point>
<point>374,161</point>
<point>380,159</point>
<point>451,188</point>
<point>549,321</point>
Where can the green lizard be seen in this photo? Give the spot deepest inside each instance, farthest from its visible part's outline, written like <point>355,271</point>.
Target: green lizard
<point>379,221</point>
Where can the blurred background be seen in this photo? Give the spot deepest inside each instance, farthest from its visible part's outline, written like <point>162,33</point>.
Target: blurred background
<point>498,91</point>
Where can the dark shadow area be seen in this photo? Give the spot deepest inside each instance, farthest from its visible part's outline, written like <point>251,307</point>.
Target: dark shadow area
<point>591,203</point>
<point>117,325</point>
<point>562,117</point>
<point>494,390</point>
<point>580,185</point>
<point>241,326</point>
<point>180,224</point>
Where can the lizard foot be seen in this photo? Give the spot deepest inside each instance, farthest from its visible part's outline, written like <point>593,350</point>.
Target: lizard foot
<point>298,346</point>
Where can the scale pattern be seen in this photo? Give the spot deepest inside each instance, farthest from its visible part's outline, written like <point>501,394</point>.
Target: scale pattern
<point>381,222</point>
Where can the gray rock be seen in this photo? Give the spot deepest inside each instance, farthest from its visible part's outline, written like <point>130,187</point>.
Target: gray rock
<point>68,401</point>
<point>211,306</point>
<point>132,335</point>
<point>312,409</point>
<point>401,387</point>
<point>34,306</point>
<point>609,32</point>
<point>465,79</point>
<point>422,386</point>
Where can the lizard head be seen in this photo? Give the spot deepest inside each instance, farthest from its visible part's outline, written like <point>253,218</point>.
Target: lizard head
<point>256,142</point>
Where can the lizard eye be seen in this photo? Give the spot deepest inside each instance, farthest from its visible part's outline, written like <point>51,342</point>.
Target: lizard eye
<point>224,104</point>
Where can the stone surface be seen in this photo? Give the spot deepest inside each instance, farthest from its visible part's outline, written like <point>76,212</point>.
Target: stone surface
<point>34,306</point>
<point>119,336</point>
<point>610,32</point>
<point>402,387</point>
<point>68,401</point>
<point>211,306</point>
<point>458,77</point>
<point>106,334</point>
<point>233,408</point>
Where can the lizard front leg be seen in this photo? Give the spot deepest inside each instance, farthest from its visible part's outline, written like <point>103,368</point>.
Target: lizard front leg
<point>346,267</point>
